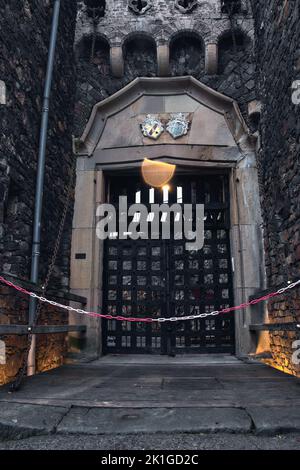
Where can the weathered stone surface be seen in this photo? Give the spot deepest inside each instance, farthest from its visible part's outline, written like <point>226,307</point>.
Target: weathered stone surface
<point>24,420</point>
<point>24,39</point>
<point>153,420</point>
<point>277,30</point>
<point>134,393</point>
<point>274,419</point>
<point>50,348</point>
<point>142,38</point>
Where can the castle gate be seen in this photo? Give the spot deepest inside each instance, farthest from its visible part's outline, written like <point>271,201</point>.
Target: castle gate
<point>215,166</point>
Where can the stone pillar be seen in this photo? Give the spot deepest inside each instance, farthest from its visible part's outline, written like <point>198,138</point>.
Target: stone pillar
<point>211,59</point>
<point>246,249</point>
<point>117,61</point>
<point>163,60</point>
<point>86,256</point>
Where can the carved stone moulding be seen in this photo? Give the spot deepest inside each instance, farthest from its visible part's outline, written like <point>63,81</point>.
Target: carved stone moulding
<point>186,6</point>
<point>139,7</point>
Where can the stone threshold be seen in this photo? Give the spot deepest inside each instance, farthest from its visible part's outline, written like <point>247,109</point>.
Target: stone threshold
<point>22,420</point>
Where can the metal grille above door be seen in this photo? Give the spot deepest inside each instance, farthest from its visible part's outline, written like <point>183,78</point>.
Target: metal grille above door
<point>160,278</point>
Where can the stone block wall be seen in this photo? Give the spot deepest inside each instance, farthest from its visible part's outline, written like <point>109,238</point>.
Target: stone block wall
<point>277,30</point>
<point>50,349</point>
<point>24,39</point>
<point>14,309</point>
<point>138,37</point>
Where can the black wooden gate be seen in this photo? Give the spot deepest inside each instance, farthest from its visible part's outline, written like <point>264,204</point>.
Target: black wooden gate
<point>160,278</point>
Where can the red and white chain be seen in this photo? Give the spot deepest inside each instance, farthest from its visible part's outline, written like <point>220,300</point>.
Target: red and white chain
<point>281,291</point>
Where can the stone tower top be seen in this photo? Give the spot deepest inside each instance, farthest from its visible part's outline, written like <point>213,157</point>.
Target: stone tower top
<point>120,40</point>
<point>116,20</point>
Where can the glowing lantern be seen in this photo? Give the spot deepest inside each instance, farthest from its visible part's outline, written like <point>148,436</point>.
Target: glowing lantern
<point>157,174</point>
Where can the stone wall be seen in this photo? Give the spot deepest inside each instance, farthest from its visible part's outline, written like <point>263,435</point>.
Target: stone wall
<point>24,38</point>
<point>24,24</point>
<point>138,37</point>
<point>50,349</point>
<point>277,26</point>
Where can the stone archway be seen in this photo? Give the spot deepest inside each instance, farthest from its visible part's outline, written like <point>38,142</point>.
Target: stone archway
<point>218,139</point>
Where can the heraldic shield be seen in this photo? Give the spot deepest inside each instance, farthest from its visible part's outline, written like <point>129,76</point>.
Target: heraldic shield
<point>178,125</point>
<point>152,127</point>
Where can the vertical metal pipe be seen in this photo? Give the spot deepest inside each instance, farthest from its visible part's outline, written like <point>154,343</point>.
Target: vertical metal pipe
<point>35,254</point>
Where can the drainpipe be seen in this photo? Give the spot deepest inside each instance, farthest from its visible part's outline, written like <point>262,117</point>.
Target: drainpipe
<point>35,254</point>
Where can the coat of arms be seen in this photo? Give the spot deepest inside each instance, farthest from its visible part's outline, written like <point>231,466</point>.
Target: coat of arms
<point>152,127</point>
<point>178,125</point>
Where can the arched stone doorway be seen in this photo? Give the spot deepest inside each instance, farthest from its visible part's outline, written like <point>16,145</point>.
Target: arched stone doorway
<point>217,145</point>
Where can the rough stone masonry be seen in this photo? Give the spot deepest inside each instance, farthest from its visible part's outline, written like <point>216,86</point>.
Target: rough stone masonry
<point>24,38</point>
<point>185,35</point>
<point>277,31</point>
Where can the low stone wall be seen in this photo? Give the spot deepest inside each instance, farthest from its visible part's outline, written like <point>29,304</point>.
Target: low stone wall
<point>285,345</point>
<point>51,348</point>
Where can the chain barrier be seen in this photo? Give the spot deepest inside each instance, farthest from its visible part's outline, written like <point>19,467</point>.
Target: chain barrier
<point>42,299</point>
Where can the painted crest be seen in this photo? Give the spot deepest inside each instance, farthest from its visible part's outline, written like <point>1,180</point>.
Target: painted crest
<point>178,125</point>
<point>152,127</point>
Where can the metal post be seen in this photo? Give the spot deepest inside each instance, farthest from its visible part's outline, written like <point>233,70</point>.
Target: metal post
<point>35,254</point>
